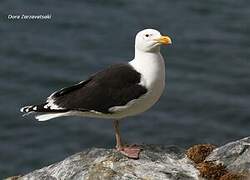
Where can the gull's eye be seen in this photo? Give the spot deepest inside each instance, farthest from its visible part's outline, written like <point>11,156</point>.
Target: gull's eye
<point>147,35</point>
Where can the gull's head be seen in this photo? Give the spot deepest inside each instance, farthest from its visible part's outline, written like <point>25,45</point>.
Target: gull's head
<point>150,40</point>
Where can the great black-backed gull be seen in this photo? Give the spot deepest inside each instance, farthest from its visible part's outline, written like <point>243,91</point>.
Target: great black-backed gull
<point>114,93</point>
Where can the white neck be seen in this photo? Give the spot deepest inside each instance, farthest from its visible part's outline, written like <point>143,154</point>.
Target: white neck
<point>148,54</point>
<point>151,65</point>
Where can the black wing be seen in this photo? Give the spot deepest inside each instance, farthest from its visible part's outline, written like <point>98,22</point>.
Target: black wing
<point>115,86</point>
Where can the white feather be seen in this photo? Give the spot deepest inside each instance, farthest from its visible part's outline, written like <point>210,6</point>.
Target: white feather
<point>51,103</point>
<point>46,117</point>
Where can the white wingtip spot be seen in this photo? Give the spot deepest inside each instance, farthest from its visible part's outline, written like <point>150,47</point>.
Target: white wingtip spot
<point>22,109</point>
<point>25,109</point>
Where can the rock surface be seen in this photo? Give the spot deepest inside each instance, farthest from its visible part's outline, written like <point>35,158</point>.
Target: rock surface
<point>155,163</point>
<point>235,156</point>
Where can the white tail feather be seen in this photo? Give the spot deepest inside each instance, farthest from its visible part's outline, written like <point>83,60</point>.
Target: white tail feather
<point>46,117</point>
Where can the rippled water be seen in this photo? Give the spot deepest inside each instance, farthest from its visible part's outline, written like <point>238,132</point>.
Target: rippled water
<point>207,96</point>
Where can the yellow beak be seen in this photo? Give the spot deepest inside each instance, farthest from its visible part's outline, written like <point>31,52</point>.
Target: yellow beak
<point>164,40</point>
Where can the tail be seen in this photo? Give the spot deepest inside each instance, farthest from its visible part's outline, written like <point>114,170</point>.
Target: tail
<point>48,116</point>
<point>43,112</point>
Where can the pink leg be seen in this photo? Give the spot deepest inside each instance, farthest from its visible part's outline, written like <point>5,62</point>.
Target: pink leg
<point>129,151</point>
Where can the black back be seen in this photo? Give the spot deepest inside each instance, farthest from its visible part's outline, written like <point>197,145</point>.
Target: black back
<point>114,86</point>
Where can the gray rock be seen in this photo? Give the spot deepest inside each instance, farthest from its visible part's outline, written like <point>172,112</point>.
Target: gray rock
<point>235,156</point>
<point>156,162</point>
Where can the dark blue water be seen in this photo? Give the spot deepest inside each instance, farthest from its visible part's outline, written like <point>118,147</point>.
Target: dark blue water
<point>207,98</point>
